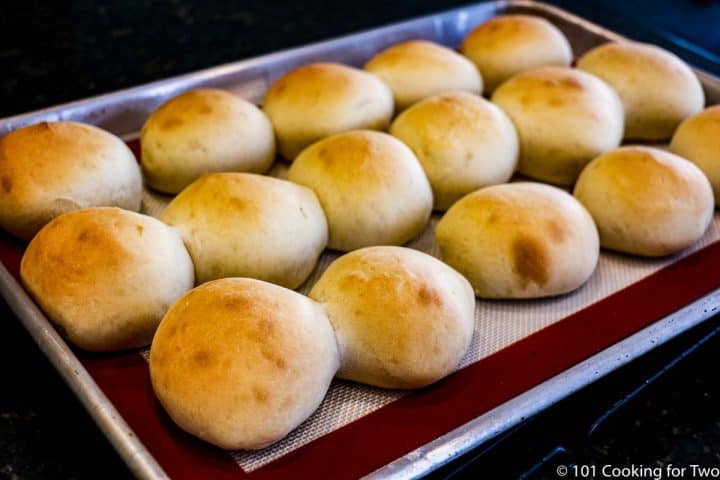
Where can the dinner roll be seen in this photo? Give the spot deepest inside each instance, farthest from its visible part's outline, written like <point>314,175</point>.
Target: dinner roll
<point>418,69</point>
<point>462,141</point>
<point>247,225</point>
<point>519,240</point>
<point>564,118</point>
<point>698,140</point>
<point>106,276</point>
<point>371,187</point>
<point>203,131</point>
<point>646,201</point>
<point>657,88</point>
<point>51,168</point>
<point>240,362</point>
<point>320,99</point>
<point>510,44</point>
<point>402,318</point>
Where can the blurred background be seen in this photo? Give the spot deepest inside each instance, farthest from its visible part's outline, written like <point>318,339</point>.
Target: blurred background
<point>659,410</point>
<point>62,50</point>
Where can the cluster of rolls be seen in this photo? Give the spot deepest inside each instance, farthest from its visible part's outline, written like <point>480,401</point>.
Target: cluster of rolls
<point>241,359</point>
<point>241,362</point>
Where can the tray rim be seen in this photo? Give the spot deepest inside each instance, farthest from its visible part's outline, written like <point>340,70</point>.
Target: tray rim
<point>421,460</point>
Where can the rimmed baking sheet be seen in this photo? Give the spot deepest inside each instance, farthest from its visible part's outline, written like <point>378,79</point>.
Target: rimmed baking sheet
<point>516,347</point>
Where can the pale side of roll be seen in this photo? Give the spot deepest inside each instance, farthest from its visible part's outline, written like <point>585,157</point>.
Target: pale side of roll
<point>418,69</point>
<point>657,88</point>
<point>462,141</point>
<point>509,44</point>
<point>646,201</point>
<point>564,118</point>
<point>242,224</point>
<point>51,168</point>
<point>240,363</point>
<point>203,131</point>
<point>403,319</point>
<point>698,140</point>
<point>519,240</point>
<point>371,187</point>
<point>318,100</point>
<point>105,276</point>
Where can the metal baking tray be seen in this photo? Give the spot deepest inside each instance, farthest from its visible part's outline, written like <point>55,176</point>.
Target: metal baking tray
<point>124,112</point>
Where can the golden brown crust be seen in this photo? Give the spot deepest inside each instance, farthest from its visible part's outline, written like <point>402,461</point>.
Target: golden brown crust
<point>38,154</point>
<point>240,362</point>
<point>698,140</point>
<point>657,88</point>
<point>203,131</point>
<point>564,118</point>
<point>519,240</point>
<point>321,99</point>
<point>371,187</point>
<point>418,69</point>
<point>509,44</point>
<point>646,201</point>
<point>306,84</point>
<point>106,276</point>
<point>53,167</point>
<point>462,141</point>
<point>403,319</point>
<point>530,260</point>
<point>247,225</point>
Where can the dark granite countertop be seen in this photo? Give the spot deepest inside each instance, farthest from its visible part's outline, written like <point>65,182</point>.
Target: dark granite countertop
<point>52,52</point>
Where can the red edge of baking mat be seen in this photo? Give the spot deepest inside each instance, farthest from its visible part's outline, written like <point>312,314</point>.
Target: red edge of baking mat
<point>416,419</point>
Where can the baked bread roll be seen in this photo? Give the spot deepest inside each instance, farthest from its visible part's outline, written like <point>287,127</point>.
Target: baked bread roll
<point>519,240</point>
<point>321,99</point>
<point>564,118</point>
<point>418,69</point>
<point>204,131</point>
<point>105,276</point>
<point>462,141</point>
<point>402,318</point>
<point>646,201</point>
<point>242,224</point>
<point>51,168</point>
<point>698,140</point>
<point>657,88</point>
<point>370,185</point>
<point>240,363</point>
<point>509,44</point>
